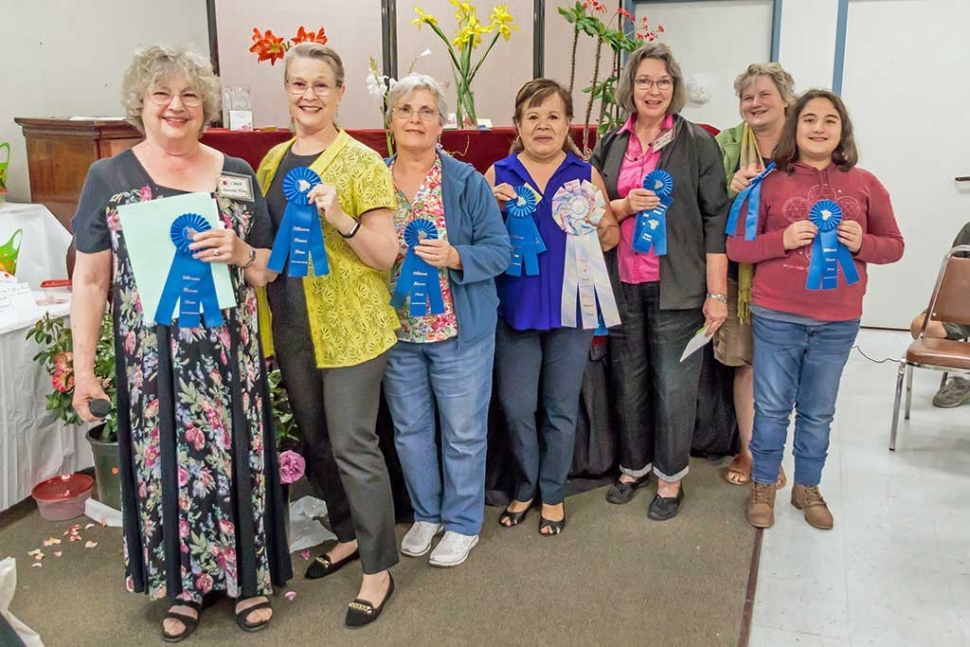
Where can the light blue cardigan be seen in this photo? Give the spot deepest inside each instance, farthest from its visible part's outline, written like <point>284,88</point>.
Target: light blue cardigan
<point>476,230</point>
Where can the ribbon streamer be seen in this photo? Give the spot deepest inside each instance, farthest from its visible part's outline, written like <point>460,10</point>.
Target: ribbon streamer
<point>300,236</point>
<point>751,194</point>
<point>827,252</point>
<point>418,278</point>
<point>650,229</point>
<point>189,284</point>
<point>527,243</point>
<point>577,207</point>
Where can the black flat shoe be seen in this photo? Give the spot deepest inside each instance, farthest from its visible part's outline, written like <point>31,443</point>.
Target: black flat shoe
<point>241,616</point>
<point>187,621</point>
<point>361,612</point>
<point>622,492</point>
<point>664,508</point>
<point>322,567</point>
<point>554,527</point>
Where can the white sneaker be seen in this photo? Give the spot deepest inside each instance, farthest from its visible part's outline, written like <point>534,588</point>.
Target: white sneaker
<point>453,549</point>
<point>417,541</point>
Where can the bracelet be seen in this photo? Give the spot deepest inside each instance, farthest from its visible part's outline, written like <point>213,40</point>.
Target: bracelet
<point>353,231</point>
<point>717,296</point>
<point>252,259</point>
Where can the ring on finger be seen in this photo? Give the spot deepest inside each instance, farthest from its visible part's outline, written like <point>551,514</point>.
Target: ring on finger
<point>215,252</point>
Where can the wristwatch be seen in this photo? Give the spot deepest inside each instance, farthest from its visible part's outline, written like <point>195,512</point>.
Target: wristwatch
<point>717,296</point>
<point>252,259</point>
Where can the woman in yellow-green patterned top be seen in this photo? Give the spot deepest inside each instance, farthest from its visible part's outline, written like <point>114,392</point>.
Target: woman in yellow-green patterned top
<point>331,333</point>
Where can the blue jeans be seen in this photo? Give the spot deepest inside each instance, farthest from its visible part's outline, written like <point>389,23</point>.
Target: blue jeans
<point>459,380</point>
<point>541,370</point>
<point>800,366</point>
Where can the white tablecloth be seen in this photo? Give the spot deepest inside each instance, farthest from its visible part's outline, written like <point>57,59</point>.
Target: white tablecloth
<point>34,444</point>
<point>43,242</point>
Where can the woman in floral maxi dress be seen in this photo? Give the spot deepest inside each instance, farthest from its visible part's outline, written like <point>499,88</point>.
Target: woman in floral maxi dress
<point>200,479</point>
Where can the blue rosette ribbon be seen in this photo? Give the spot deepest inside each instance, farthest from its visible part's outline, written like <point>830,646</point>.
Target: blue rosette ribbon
<point>300,236</point>
<point>650,229</point>
<point>418,279</point>
<point>752,195</point>
<point>828,254</point>
<point>189,284</point>
<point>527,243</point>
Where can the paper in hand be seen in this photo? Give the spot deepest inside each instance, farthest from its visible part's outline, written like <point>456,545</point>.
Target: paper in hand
<point>698,341</point>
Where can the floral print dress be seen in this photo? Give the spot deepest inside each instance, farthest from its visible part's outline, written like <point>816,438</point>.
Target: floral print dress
<point>200,478</point>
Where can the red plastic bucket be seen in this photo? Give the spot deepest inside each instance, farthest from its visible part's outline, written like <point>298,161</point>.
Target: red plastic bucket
<point>62,497</point>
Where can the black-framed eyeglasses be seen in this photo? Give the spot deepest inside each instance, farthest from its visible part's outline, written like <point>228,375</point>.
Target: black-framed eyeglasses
<point>644,83</point>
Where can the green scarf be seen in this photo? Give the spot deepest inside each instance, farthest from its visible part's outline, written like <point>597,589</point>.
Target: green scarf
<point>749,155</point>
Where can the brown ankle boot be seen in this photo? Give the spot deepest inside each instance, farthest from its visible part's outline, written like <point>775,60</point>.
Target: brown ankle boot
<point>808,499</point>
<point>761,505</point>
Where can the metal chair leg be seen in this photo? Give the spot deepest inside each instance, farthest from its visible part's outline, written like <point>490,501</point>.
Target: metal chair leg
<point>909,389</point>
<point>899,393</point>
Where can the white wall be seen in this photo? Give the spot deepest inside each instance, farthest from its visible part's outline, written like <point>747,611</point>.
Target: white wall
<point>62,58</point>
<point>713,41</point>
<point>807,47</point>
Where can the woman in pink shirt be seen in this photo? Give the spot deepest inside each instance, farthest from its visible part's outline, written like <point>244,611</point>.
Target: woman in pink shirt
<point>820,221</point>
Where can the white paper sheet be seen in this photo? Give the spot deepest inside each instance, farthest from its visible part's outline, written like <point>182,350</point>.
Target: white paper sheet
<point>698,341</point>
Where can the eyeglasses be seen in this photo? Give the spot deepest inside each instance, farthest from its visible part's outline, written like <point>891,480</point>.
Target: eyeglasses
<point>189,99</point>
<point>299,88</point>
<point>405,113</point>
<point>643,83</point>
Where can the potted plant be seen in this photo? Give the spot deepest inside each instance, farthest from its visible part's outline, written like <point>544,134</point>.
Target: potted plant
<point>56,345</point>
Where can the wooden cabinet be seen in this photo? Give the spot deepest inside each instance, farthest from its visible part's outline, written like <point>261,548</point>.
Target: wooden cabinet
<point>59,153</point>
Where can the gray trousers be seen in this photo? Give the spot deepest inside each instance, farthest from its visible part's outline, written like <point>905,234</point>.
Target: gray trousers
<point>340,405</point>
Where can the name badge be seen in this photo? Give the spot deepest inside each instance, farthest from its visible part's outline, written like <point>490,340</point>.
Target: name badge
<point>238,187</point>
<point>663,140</point>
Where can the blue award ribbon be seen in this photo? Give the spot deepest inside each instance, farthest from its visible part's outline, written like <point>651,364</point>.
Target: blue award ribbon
<point>418,278</point>
<point>650,229</point>
<point>751,194</point>
<point>527,244</point>
<point>827,252</point>
<point>301,235</point>
<point>189,283</point>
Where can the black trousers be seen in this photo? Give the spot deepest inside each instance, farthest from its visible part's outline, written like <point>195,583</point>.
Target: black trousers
<point>655,394</point>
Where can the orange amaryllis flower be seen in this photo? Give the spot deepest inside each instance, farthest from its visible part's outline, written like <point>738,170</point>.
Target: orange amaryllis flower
<point>267,46</point>
<point>304,36</point>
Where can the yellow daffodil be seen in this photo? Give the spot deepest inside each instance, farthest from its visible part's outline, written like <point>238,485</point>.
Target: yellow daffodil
<point>501,19</point>
<point>423,18</point>
<point>463,9</point>
<point>471,33</point>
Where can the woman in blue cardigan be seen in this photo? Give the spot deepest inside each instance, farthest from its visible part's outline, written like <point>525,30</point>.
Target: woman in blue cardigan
<point>453,244</point>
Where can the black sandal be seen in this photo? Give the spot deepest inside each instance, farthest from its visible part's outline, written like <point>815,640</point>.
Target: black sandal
<point>555,527</point>
<point>361,612</point>
<point>187,621</point>
<point>514,518</point>
<point>243,614</point>
<point>322,566</point>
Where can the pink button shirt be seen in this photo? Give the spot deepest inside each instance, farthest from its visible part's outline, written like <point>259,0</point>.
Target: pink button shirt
<point>636,267</point>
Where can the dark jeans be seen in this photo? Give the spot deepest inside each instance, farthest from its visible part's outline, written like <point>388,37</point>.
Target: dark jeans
<point>336,411</point>
<point>800,366</point>
<point>655,394</point>
<point>546,364</point>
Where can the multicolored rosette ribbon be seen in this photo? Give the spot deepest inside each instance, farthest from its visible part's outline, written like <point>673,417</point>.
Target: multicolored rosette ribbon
<point>527,244</point>
<point>827,252</point>
<point>301,235</point>
<point>189,285</point>
<point>650,229</point>
<point>752,195</point>
<point>418,279</point>
<point>577,207</point>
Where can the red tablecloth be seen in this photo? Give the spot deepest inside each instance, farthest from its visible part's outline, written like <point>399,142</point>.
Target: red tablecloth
<point>480,148</point>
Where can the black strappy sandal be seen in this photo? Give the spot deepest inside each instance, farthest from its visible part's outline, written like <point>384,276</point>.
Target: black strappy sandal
<point>361,612</point>
<point>241,615</point>
<point>187,621</point>
<point>514,518</point>
<point>555,527</point>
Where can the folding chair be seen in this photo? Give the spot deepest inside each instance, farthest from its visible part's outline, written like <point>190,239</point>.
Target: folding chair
<point>949,302</point>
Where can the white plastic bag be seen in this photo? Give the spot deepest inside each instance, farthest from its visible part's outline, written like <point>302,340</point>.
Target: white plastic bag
<point>304,529</point>
<point>8,585</point>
